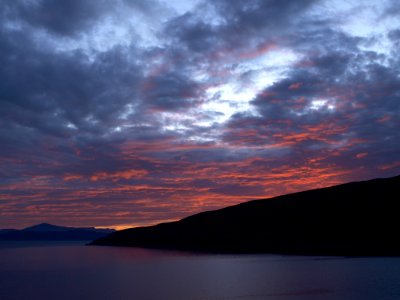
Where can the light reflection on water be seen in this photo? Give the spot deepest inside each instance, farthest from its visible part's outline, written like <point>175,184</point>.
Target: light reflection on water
<point>73,271</point>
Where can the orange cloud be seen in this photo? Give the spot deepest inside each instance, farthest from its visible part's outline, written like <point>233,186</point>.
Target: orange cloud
<point>259,50</point>
<point>361,155</point>
<point>295,86</point>
<point>115,176</point>
<point>72,177</point>
<point>385,119</point>
<point>390,166</point>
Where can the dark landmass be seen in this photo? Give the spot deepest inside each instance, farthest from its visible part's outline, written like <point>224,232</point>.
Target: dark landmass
<point>49,232</point>
<point>355,219</point>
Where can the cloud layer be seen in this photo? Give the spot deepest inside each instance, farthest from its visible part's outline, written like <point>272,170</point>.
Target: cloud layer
<point>136,112</point>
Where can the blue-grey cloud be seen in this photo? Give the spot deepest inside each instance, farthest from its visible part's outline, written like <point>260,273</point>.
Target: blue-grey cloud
<point>127,112</point>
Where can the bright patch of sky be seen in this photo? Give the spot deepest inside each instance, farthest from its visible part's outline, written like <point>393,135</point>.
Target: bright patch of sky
<point>181,6</point>
<point>245,82</point>
<point>319,104</point>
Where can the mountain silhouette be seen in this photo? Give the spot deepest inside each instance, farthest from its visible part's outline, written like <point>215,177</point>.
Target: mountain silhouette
<point>359,218</point>
<point>49,232</point>
<point>48,227</point>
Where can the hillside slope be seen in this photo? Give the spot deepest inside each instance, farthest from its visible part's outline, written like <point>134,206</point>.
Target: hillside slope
<point>359,218</point>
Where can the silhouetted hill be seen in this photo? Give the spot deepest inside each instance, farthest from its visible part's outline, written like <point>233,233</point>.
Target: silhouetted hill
<point>47,227</point>
<point>360,218</point>
<point>47,232</point>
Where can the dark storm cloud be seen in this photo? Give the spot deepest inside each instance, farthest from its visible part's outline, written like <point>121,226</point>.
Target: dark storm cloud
<point>73,17</point>
<point>149,8</point>
<point>48,92</point>
<point>394,36</point>
<point>62,93</point>
<point>57,17</point>
<point>240,25</point>
<point>59,108</point>
<point>193,33</point>
<point>170,91</point>
<point>393,8</point>
<point>253,15</point>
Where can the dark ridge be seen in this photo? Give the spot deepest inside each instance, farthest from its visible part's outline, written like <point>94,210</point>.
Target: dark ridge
<point>49,232</point>
<point>359,218</point>
<point>47,227</point>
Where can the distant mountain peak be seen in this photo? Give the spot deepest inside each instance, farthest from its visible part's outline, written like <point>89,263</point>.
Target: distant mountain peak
<point>47,227</point>
<point>50,232</point>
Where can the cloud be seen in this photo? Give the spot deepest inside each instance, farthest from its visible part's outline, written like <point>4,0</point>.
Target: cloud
<point>265,15</point>
<point>334,104</point>
<point>134,113</point>
<point>65,19</point>
<point>170,91</point>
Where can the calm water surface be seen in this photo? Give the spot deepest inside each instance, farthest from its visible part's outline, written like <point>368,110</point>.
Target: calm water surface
<point>73,271</point>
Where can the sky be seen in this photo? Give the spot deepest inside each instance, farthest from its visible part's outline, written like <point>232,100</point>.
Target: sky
<point>133,112</point>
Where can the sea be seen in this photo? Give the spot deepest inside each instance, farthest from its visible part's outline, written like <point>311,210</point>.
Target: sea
<point>71,270</point>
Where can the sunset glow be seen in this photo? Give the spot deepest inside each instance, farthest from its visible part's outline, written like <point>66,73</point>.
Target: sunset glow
<point>130,113</point>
